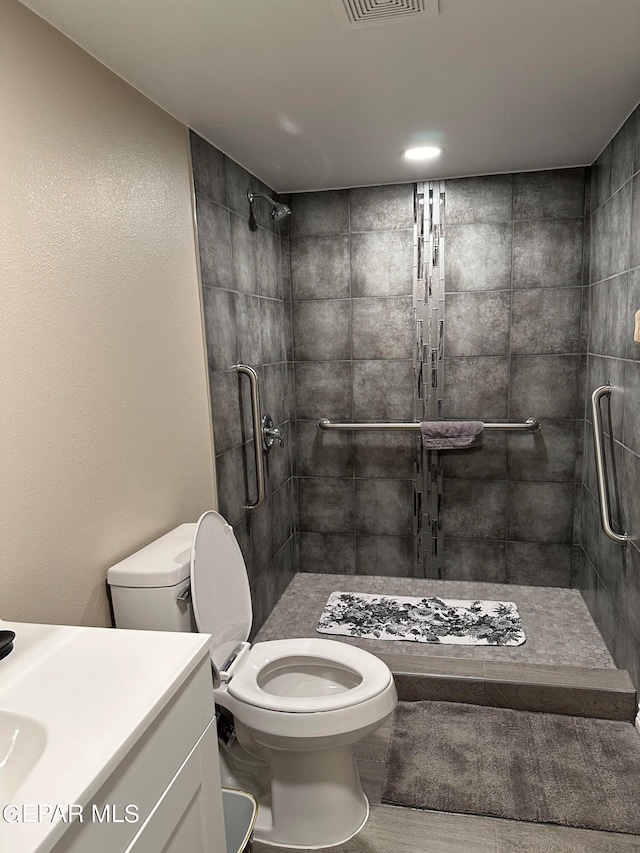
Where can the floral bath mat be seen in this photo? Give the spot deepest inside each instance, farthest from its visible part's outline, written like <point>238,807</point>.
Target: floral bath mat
<point>422,620</point>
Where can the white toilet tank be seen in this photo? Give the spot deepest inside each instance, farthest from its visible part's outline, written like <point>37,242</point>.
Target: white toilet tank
<point>150,589</point>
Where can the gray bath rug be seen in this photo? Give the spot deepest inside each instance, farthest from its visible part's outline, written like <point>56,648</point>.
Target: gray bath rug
<point>423,620</point>
<point>544,768</point>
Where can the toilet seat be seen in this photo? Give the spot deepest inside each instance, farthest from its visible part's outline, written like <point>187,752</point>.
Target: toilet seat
<point>329,675</point>
<point>302,676</point>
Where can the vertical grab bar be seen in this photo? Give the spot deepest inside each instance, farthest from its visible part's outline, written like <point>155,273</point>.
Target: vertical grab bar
<point>257,433</point>
<point>605,515</point>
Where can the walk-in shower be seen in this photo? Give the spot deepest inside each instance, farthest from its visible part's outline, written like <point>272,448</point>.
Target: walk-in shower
<point>371,309</point>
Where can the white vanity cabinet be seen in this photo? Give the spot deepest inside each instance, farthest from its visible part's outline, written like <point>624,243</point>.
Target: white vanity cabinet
<point>117,725</point>
<point>170,780</point>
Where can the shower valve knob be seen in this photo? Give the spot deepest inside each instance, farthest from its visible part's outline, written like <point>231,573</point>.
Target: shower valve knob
<point>270,434</point>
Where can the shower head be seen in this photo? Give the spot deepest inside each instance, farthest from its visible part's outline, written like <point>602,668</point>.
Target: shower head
<point>278,210</point>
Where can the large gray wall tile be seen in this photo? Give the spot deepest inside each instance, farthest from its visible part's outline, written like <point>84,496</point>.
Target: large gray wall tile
<point>326,505</point>
<point>475,509</point>
<point>269,284</point>
<point>382,263</point>
<point>634,249</point>
<point>220,328</point>
<point>390,556</point>
<point>547,253</point>
<point>384,453</point>
<point>322,330</point>
<point>475,560</point>
<point>320,267</point>
<point>601,186</point>
<point>384,506</point>
<point>477,323</point>
<point>538,564</point>
<point>486,462</point>
<point>208,169</point>
<point>631,404</point>
<point>478,257</point>
<point>323,390</point>
<point>328,553</point>
<point>383,327</point>
<point>553,194</point>
<point>609,322</point>
<point>633,305</point>
<point>541,512</point>
<point>621,211</point>
<point>382,390</point>
<point>548,455</point>
<point>543,386</point>
<point>238,185</point>
<point>476,388</point>
<point>546,321</point>
<point>249,328</point>
<point>243,242</point>
<point>214,241</point>
<point>382,208</point>
<point>622,155</point>
<point>272,316</point>
<point>316,214</point>
<point>323,454</point>
<point>225,410</point>
<point>483,199</point>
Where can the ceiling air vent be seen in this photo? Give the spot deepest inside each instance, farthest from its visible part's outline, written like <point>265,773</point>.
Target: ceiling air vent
<point>356,14</point>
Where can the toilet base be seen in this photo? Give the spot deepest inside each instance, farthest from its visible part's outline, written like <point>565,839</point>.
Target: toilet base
<point>267,838</point>
<point>314,798</point>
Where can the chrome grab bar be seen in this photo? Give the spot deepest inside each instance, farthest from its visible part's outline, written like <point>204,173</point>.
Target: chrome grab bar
<point>605,513</point>
<point>257,433</point>
<point>530,425</point>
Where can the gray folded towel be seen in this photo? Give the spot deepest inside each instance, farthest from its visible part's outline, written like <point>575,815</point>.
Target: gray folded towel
<point>443,435</point>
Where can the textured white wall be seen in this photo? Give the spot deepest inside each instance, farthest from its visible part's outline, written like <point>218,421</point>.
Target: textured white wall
<point>105,439</point>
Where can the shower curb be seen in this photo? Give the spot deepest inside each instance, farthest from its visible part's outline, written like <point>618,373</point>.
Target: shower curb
<point>606,694</point>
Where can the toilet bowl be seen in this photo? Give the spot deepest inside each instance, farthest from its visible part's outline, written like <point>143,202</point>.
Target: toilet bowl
<point>298,705</point>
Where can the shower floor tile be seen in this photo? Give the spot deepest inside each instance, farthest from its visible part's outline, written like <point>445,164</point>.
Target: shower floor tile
<point>557,623</point>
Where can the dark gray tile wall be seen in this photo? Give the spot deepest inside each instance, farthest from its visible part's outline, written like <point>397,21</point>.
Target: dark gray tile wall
<point>352,320</point>
<point>247,308</point>
<point>610,577</point>
<point>515,321</point>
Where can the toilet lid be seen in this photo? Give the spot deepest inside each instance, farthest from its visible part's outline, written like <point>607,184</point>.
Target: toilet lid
<point>220,587</point>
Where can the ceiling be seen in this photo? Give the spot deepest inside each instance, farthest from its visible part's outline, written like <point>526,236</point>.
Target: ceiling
<point>304,101</point>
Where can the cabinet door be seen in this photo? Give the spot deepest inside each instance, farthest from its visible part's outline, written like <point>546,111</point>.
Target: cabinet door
<point>188,817</point>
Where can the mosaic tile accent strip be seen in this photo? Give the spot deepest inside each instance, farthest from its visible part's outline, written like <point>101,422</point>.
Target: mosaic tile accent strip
<point>559,628</point>
<point>422,620</point>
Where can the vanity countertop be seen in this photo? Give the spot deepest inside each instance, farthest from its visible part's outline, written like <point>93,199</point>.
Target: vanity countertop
<point>91,692</point>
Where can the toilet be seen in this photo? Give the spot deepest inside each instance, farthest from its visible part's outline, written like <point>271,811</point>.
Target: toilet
<point>297,706</point>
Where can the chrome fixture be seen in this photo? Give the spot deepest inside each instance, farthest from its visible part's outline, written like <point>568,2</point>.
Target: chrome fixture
<point>270,433</point>
<point>278,210</point>
<point>530,425</point>
<point>598,441</point>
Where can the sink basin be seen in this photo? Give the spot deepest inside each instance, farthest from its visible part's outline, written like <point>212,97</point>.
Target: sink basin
<point>22,742</point>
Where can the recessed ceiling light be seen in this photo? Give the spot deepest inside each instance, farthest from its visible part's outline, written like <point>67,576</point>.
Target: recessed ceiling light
<point>427,152</point>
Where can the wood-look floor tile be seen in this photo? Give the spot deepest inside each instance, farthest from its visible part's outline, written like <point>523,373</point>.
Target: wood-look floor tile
<point>517,837</point>
<point>372,779</point>
<point>376,746</point>
<point>396,830</point>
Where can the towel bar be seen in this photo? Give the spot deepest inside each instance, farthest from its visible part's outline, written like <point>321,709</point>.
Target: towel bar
<point>530,425</point>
